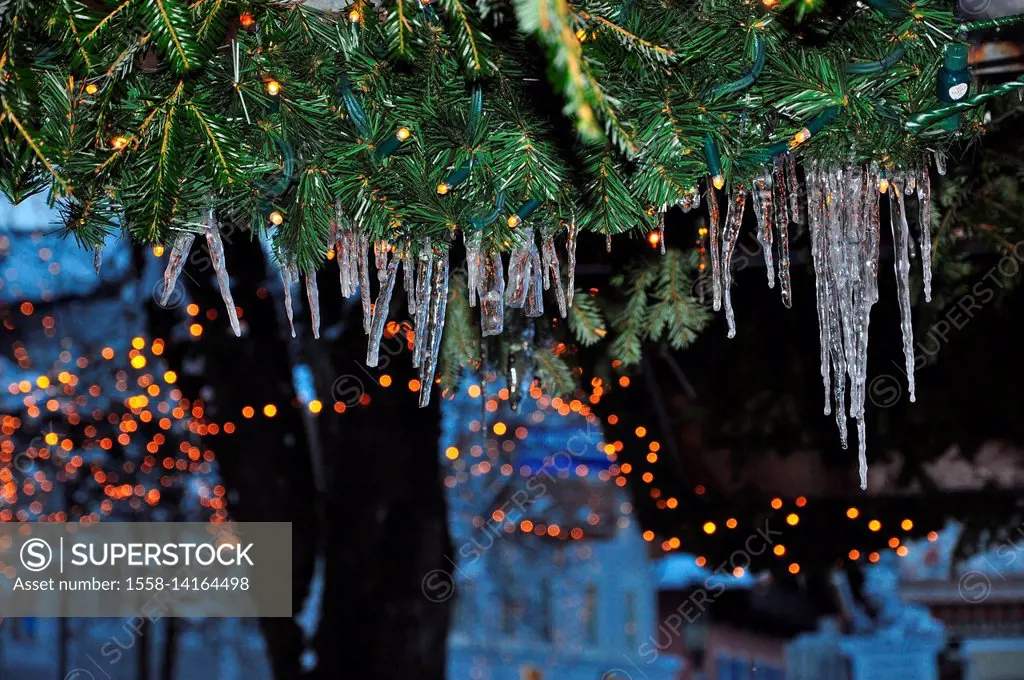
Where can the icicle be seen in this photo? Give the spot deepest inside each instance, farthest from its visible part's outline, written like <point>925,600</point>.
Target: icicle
<point>570,247</point>
<point>901,241</point>
<point>438,304</point>
<point>661,233</point>
<point>608,243</point>
<point>940,162</point>
<point>380,310</point>
<point>288,277</point>
<point>733,222</point>
<point>313,297</point>
<point>175,261</point>
<point>782,224</point>
<point>837,293</point>
<point>342,239</point>
<point>862,453</point>
<point>869,262</point>
<point>517,366</point>
<point>695,204</point>
<point>352,242</point>
<point>819,256</point>
<point>793,183</point>
<point>364,279</point>
<point>423,278</point>
<point>513,378</point>
<point>97,258</point>
<point>519,272</point>
<point>216,247</point>
<point>924,216</point>
<point>535,296</point>
<point>409,279</point>
<point>550,264</point>
<point>764,212</point>
<point>381,253</point>
<point>474,264</point>
<point>716,259</point>
<point>492,294</point>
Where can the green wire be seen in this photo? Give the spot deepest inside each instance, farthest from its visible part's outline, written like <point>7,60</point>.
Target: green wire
<point>883,64</point>
<point>920,121</point>
<point>749,76</point>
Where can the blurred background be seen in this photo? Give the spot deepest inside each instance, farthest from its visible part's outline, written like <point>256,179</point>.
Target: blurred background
<point>694,519</point>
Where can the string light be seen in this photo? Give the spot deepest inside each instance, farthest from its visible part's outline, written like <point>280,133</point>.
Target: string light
<point>273,88</point>
<point>443,188</point>
<point>883,185</point>
<point>709,528</point>
<point>800,137</point>
<point>353,16</point>
<point>874,525</point>
<point>852,513</point>
<point>276,218</point>
<point>246,19</point>
<point>718,181</point>
<point>514,221</point>
<point>119,142</point>
<point>654,238</point>
<point>92,88</point>
<point>907,525</point>
<point>403,134</point>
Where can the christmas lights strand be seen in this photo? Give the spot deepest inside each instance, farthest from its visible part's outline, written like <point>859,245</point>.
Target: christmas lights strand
<point>919,122</point>
<point>880,66</point>
<point>749,76</point>
<point>998,22</point>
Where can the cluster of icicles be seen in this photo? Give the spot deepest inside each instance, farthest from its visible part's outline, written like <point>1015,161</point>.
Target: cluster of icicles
<point>843,220</point>
<point>425,279</point>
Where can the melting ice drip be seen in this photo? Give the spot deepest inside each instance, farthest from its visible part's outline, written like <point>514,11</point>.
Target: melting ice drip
<point>843,220</point>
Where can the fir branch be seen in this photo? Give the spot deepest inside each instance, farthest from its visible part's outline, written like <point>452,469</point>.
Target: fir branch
<point>553,372</point>
<point>129,141</point>
<point>169,22</point>
<point>585,320</point>
<point>661,54</point>
<point>630,321</point>
<point>399,31</point>
<point>470,42</point>
<point>215,141</point>
<point>36,149</point>
<point>675,313</point>
<point>103,23</point>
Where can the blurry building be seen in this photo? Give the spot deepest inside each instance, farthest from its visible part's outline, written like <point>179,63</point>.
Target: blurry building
<point>551,577</point>
<point>726,627</point>
<point>980,600</point>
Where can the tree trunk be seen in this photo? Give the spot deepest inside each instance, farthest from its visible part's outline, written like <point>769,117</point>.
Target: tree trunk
<point>380,526</point>
<point>168,664</point>
<point>386,532</point>
<point>265,462</point>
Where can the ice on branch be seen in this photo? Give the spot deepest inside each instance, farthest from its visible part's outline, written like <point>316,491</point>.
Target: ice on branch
<point>313,297</point>
<point>764,212</point>
<point>438,305</point>
<point>730,234</point>
<point>216,247</point>
<point>424,270</point>
<point>175,263</point>
<point>387,276</point>
<point>492,294</point>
